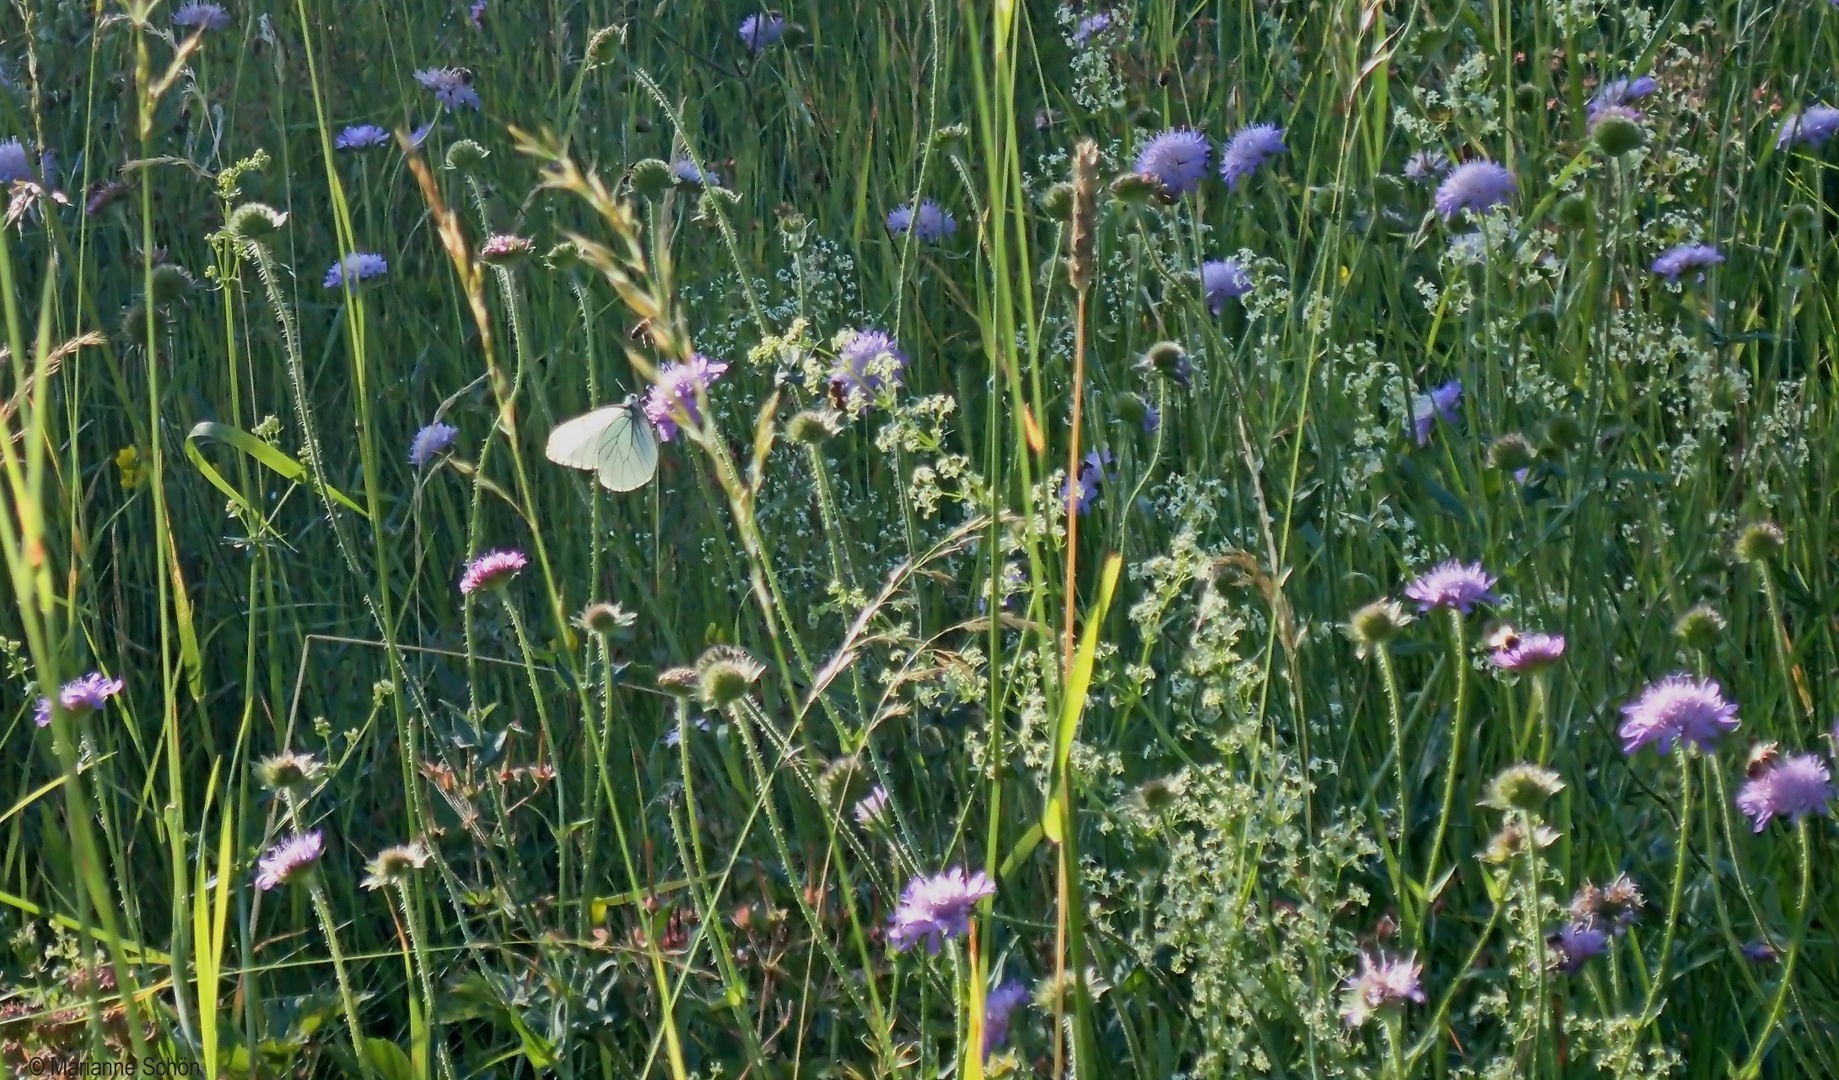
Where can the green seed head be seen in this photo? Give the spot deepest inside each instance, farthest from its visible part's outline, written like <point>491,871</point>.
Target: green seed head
<point>1700,628</point>
<point>1377,623</point>
<point>465,155</point>
<point>1616,135</point>
<point>651,178</point>
<point>1511,453</point>
<point>1572,212</point>
<point>724,674</point>
<point>289,771</point>
<point>813,426</point>
<point>1523,787</point>
<point>1761,542</point>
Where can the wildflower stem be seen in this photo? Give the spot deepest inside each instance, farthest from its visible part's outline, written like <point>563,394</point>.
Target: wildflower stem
<point>1459,656</point>
<point>1761,1044</point>
<point>1651,1009</point>
<point>1784,646</point>
<point>1395,716</point>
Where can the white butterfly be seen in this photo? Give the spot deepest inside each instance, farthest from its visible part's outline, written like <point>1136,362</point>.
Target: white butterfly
<point>617,441</point>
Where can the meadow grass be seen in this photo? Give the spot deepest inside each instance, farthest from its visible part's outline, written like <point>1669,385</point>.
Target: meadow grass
<point>1070,684</point>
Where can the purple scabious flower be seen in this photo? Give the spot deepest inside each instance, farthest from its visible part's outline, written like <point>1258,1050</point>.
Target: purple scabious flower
<point>935,908</point>
<point>199,15</point>
<point>1453,585</point>
<point>1810,128</point>
<point>1678,708</point>
<point>355,267</point>
<point>1176,159</point>
<point>1090,27</point>
<point>685,172</point>
<point>1759,952</point>
<point>930,223</point>
<point>1439,404</point>
<point>1574,945</point>
<point>1426,165</point>
<point>85,695</point>
<point>870,361</point>
<point>999,1010</point>
<point>760,30</point>
<point>1152,419</point>
<point>361,137</point>
<point>1093,471</point>
<point>1381,984</point>
<point>1676,261</point>
<point>1533,652</point>
<point>671,404</point>
<point>1478,186</point>
<point>871,807</point>
<point>15,162</point>
<point>492,570</point>
<point>1598,115</point>
<point>476,14</point>
<point>452,86</point>
<point>431,440</point>
<point>288,860</point>
<point>1251,147</point>
<point>1618,93</point>
<point>420,134</point>
<point>1222,280</point>
<point>1790,788</point>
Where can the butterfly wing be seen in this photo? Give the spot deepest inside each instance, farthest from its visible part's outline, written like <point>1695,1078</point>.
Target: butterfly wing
<point>576,443</point>
<point>628,450</point>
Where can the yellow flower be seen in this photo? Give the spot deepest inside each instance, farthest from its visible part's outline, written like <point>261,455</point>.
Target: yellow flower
<point>133,473</point>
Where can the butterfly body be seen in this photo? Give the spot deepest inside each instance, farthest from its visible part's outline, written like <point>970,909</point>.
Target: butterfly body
<point>615,441</point>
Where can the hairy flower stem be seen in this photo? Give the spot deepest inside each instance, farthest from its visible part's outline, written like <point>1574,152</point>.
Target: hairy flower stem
<point>1535,939</point>
<point>1395,717</point>
<point>550,746</point>
<point>1761,1044</point>
<point>1651,1010</point>
<point>1459,656</point>
<point>1784,648</point>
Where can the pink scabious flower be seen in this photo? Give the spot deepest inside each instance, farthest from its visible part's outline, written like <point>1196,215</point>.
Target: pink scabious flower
<point>199,15</point>
<point>288,860</point>
<point>1478,185</point>
<point>1251,147</point>
<point>85,695</point>
<point>1676,261</point>
<point>354,268</point>
<point>1790,788</point>
<point>492,570</point>
<point>1381,984</point>
<point>1222,280</point>
<point>1453,585</point>
<point>502,248</point>
<point>1427,409</point>
<point>453,87</point>
<point>935,908</point>
<point>361,137</point>
<point>1809,128</point>
<point>671,404</point>
<point>1176,159</point>
<point>999,1010</point>
<point>1574,945</point>
<point>870,361</point>
<point>1678,708</point>
<point>872,807</point>
<point>1532,652</point>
